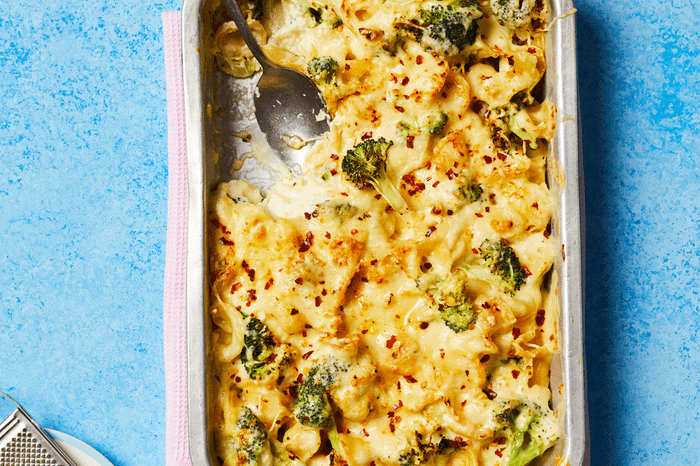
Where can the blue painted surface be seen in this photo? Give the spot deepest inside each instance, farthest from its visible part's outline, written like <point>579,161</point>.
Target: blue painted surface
<point>83,196</point>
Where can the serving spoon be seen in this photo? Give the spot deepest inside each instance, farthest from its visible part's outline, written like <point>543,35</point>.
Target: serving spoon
<point>288,106</point>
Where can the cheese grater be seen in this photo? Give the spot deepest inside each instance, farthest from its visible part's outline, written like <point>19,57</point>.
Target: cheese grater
<point>23,442</point>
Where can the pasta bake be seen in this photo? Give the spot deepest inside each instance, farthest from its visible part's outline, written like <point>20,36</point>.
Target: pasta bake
<point>394,304</point>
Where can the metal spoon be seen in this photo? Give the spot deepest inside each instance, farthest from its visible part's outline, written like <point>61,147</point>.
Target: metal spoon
<point>287,103</point>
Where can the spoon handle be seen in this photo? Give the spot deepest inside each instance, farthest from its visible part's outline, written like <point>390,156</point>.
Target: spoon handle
<point>246,33</point>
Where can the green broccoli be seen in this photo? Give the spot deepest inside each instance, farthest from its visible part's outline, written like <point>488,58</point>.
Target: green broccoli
<point>529,429</point>
<point>322,70</point>
<point>249,443</point>
<point>453,302</point>
<point>262,356</point>
<point>502,261</point>
<point>429,453</point>
<point>320,13</point>
<point>312,407</point>
<point>512,13</point>
<point>365,164</point>
<point>505,118</point>
<point>448,29</point>
<point>471,193</point>
<point>437,123</point>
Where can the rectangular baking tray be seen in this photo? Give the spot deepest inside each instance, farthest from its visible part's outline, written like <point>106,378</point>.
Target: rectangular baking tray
<point>217,105</point>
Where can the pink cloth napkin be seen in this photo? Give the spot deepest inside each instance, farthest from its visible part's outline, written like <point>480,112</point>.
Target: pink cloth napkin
<point>177,451</point>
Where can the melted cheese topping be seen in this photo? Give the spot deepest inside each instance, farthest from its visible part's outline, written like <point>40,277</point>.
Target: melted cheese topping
<point>342,280</point>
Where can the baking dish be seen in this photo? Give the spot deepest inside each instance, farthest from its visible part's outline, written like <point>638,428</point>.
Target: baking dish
<point>218,108</point>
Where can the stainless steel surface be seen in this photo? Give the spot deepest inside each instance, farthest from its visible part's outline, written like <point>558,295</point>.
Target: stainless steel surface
<point>210,138</point>
<point>287,103</point>
<point>23,442</point>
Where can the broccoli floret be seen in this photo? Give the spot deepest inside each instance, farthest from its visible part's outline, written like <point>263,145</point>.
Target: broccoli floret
<point>502,261</point>
<point>262,356</point>
<point>471,193</point>
<point>529,429</point>
<point>249,442</point>
<point>321,13</point>
<point>429,453</point>
<point>512,13</point>
<point>312,407</point>
<point>436,123</point>
<point>322,70</point>
<point>505,121</point>
<point>365,164</point>
<point>448,29</point>
<point>452,299</point>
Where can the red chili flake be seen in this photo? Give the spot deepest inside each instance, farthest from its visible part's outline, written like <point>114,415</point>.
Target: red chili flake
<point>306,356</point>
<point>294,312</point>
<point>487,159</point>
<point>532,50</point>
<point>307,215</point>
<point>450,174</point>
<point>426,266</point>
<point>449,212</point>
<point>397,405</point>
<point>390,342</point>
<point>404,81</point>
<point>328,235</point>
<point>334,157</point>
<point>334,172</point>
<point>235,287</point>
<point>410,379</point>
<point>486,305</point>
<point>478,215</point>
<point>436,210</point>
<point>364,433</point>
<point>501,156</point>
<point>515,373</point>
<point>308,242</point>
<point>484,77</point>
<point>430,230</point>
<point>317,301</point>
<point>392,428</point>
<point>373,262</point>
<point>419,59</point>
<point>251,274</point>
<point>367,135</point>
<point>344,194</point>
<point>539,319</point>
<point>424,325</point>
<point>399,108</point>
<point>516,333</point>
<point>299,281</point>
<point>526,270</point>
<point>226,242</point>
<point>563,254</point>
<point>364,331</point>
<point>485,358</point>
<point>269,283</point>
<point>490,394</point>
<point>324,292</point>
<point>546,234</point>
<point>409,142</point>
<point>252,295</point>
<point>377,196</point>
<point>502,441</point>
<point>353,231</point>
<point>442,353</point>
<point>499,452</point>
<point>314,214</point>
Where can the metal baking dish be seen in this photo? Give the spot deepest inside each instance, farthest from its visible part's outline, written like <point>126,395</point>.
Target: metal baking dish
<point>213,115</point>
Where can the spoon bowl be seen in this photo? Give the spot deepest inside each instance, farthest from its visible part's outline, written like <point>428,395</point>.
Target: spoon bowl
<point>289,107</point>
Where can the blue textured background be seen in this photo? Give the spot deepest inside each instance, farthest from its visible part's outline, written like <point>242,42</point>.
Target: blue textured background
<point>83,196</point>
